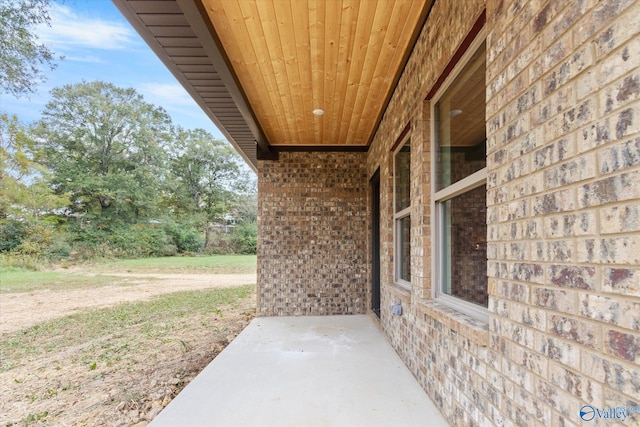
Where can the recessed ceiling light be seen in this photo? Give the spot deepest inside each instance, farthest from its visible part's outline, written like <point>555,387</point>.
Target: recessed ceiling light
<point>454,113</point>
<point>318,111</point>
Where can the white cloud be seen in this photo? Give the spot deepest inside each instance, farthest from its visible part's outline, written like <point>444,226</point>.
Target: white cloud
<point>88,58</point>
<point>166,94</point>
<point>69,30</point>
<point>179,104</point>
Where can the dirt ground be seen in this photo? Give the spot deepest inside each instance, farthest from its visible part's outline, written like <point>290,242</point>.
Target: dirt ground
<point>46,304</point>
<point>55,389</point>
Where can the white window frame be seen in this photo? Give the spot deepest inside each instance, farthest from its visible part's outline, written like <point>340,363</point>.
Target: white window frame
<point>438,197</point>
<point>397,216</point>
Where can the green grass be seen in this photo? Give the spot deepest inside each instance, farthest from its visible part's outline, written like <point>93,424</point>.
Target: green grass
<point>94,330</point>
<point>15,280</point>
<point>215,264</point>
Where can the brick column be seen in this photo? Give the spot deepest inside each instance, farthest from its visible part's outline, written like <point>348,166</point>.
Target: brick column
<point>312,235</point>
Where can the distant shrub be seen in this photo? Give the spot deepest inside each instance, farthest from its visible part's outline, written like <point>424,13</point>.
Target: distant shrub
<point>12,233</point>
<point>219,244</point>
<point>185,238</point>
<point>13,260</point>
<point>60,248</point>
<point>168,250</point>
<point>140,240</point>
<point>244,239</point>
<point>37,241</point>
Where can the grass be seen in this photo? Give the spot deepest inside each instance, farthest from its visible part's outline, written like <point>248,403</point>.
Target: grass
<point>214,264</point>
<point>94,330</point>
<point>14,279</point>
<point>126,352</point>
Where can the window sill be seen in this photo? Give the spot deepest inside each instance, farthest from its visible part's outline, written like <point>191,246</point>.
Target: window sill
<point>467,326</point>
<point>402,292</point>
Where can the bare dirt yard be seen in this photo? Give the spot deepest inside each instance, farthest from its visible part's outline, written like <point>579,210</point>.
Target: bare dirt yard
<point>21,310</point>
<point>141,348</point>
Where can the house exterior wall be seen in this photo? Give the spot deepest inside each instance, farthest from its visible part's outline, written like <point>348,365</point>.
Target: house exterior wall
<point>563,216</point>
<point>563,152</point>
<point>312,231</point>
<point>563,213</point>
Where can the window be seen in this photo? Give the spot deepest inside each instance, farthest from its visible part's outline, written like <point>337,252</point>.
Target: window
<point>402,213</point>
<point>459,185</point>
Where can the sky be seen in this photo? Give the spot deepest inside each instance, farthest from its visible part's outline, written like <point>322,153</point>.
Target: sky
<point>98,43</point>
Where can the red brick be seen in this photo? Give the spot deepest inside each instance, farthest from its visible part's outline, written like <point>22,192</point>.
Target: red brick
<point>624,345</point>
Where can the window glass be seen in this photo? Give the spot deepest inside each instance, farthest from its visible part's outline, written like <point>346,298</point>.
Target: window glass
<point>464,258</point>
<point>460,187</point>
<point>404,248</point>
<point>460,124</point>
<point>402,213</point>
<point>403,177</point>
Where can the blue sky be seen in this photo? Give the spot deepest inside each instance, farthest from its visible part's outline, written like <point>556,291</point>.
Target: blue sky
<point>99,44</point>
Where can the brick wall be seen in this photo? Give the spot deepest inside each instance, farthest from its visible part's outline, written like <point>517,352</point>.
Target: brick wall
<point>445,350</point>
<point>563,196</point>
<point>312,233</point>
<point>563,154</point>
<point>563,213</point>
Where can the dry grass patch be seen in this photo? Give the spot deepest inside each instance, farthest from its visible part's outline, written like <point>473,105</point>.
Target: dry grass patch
<point>119,365</point>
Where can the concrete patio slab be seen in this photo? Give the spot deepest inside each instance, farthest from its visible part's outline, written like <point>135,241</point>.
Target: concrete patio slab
<point>304,371</point>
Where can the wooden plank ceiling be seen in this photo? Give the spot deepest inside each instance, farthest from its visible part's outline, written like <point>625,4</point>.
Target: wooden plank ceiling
<point>259,68</point>
<point>292,57</point>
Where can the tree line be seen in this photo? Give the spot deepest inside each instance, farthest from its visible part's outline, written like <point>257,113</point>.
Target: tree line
<point>105,173</point>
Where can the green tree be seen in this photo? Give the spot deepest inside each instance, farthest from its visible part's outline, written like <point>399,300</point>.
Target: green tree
<point>208,177</point>
<point>22,57</point>
<point>14,161</point>
<point>246,207</point>
<point>25,191</point>
<point>104,145</point>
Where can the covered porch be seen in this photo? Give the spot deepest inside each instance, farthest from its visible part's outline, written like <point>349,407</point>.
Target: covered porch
<point>305,371</point>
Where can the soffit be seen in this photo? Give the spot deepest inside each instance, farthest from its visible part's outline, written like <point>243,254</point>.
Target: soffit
<point>177,33</point>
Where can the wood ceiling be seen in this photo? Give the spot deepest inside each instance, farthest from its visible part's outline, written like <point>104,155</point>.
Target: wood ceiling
<point>292,57</point>
<point>259,68</point>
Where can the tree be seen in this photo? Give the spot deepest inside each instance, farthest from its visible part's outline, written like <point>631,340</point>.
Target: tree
<point>208,176</point>
<point>14,161</point>
<point>25,193</point>
<point>246,208</point>
<point>104,145</point>
<point>24,182</point>
<point>22,57</point>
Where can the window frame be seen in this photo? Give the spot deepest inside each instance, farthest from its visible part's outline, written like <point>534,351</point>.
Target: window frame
<point>438,197</point>
<point>400,215</point>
